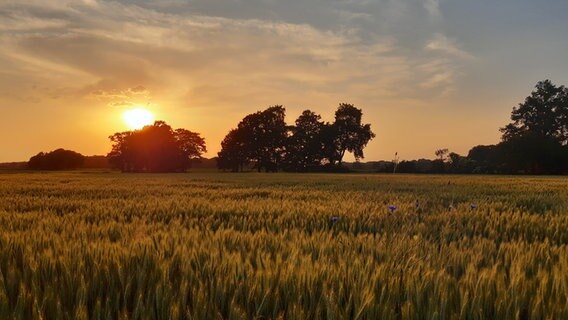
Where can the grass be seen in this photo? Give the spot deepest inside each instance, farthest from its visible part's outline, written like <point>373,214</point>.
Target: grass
<point>246,246</point>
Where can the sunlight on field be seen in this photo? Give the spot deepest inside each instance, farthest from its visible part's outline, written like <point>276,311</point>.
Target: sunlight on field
<point>236,246</point>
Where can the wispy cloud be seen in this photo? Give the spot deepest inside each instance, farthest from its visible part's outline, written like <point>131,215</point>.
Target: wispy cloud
<point>433,7</point>
<point>120,45</point>
<point>442,44</point>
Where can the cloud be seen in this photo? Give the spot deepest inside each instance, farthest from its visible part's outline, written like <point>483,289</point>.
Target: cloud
<point>114,45</point>
<point>441,43</point>
<point>158,49</point>
<point>444,69</point>
<point>122,98</point>
<point>433,7</point>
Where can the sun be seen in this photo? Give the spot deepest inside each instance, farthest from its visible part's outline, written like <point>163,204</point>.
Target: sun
<point>137,118</point>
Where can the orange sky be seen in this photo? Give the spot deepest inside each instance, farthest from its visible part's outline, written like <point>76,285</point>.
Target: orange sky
<point>423,77</point>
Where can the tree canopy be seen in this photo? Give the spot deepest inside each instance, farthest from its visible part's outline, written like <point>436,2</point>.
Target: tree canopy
<point>259,139</point>
<point>59,159</point>
<point>352,135</point>
<point>536,139</point>
<point>543,114</point>
<point>156,148</point>
<point>305,146</point>
<point>264,140</point>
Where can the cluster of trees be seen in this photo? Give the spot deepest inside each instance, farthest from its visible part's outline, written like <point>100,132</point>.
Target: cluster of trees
<point>264,141</point>
<point>535,142</point>
<point>156,148</point>
<point>59,159</point>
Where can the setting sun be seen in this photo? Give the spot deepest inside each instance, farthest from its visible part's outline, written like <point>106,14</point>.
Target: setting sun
<point>137,118</point>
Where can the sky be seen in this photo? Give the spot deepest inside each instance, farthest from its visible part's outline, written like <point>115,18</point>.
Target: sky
<point>428,74</point>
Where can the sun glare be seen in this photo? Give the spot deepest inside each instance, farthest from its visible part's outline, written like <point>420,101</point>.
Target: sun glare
<point>137,118</point>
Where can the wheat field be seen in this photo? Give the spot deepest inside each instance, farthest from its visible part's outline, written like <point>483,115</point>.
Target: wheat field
<point>97,245</point>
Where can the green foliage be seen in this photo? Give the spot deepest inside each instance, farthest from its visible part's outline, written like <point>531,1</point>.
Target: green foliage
<point>232,246</point>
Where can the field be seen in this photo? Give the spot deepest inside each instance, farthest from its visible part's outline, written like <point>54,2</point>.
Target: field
<point>282,246</point>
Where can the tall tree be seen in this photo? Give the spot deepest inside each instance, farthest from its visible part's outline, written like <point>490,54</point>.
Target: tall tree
<point>259,138</point>
<point>544,114</point>
<point>305,147</point>
<point>352,136</point>
<point>535,141</point>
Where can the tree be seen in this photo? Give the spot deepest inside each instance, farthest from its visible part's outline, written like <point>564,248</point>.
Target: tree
<point>191,146</point>
<point>485,159</point>
<point>331,144</point>
<point>259,138</point>
<point>458,164</point>
<point>535,141</point>
<point>534,154</point>
<point>59,159</point>
<point>441,153</point>
<point>268,132</point>
<point>351,135</point>
<point>305,147</point>
<point>233,152</point>
<point>264,140</point>
<point>544,114</point>
<point>156,148</point>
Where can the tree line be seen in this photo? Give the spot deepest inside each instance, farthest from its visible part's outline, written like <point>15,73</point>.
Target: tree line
<point>536,139</point>
<point>534,142</point>
<point>264,141</point>
<point>59,159</point>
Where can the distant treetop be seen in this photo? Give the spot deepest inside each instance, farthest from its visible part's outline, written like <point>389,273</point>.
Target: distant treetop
<point>59,159</point>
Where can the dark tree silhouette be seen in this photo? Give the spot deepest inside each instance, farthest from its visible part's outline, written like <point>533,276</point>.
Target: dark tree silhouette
<point>331,146</point>
<point>259,139</point>
<point>535,140</point>
<point>544,114</point>
<point>441,153</point>
<point>264,140</point>
<point>191,146</point>
<point>533,154</point>
<point>351,135</point>
<point>305,147</point>
<point>486,159</point>
<point>59,159</point>
<point>156,148</point>
<point>233,154</point>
